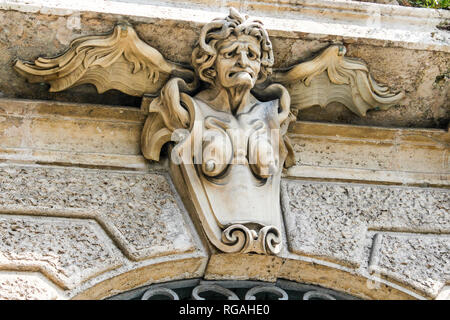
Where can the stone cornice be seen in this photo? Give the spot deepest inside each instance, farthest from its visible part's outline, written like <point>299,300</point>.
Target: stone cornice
<point>370,154</point>
<point>54,133</point>
<point>384,25</point>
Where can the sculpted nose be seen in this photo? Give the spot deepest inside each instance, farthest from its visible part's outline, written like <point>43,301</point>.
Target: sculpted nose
<point>243,60</point>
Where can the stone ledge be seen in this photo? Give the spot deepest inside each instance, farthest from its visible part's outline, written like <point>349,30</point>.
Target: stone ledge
<point>71,134</point>
<point>317,18</point>
<point>379,155</point>
<point>68,134</point>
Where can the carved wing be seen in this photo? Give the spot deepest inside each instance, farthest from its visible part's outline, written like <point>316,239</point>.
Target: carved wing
<point>332,77</point>
<point>119,61</point>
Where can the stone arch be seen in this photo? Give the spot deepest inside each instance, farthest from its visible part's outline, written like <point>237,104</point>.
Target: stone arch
<point>267,269</point>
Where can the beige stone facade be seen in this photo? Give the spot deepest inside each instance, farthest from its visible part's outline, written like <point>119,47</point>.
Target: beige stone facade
<point>365,206</point>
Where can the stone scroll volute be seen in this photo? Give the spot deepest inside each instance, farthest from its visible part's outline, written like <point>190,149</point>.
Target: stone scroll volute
<point>226,115</point>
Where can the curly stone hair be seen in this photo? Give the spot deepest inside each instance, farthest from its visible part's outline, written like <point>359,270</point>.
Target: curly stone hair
<point>205,53</point>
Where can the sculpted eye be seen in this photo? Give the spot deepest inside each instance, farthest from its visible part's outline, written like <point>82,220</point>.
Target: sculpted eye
<point>252,55</point>
<point>229,54</point>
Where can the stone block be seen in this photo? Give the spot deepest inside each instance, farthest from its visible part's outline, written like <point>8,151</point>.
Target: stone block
<point>421,260</point>
<point>336,222</point>
<point>26,286</point>
<point>67,251</point>
<point>139,210</point>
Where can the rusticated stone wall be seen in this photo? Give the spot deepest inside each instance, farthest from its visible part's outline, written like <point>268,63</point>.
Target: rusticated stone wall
<point>139,210</point>
<point>401,233</point>
<point>74,226</point>
<point>65,230</point>
<point>84,216</point>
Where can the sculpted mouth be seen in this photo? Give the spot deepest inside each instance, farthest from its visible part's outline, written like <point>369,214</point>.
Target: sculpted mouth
<point>233,73</point>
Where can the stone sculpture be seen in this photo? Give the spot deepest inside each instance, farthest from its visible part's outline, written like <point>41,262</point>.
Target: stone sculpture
<point>227,118</point>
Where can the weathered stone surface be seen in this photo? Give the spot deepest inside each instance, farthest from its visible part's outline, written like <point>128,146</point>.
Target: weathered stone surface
<point>243,267</point>
<point>71,134</point>
<point>401,156</point>
<point>413,58</point>
<point>68,251</point>
<point>423,75</point>
<point>69,127</point>
<point>423,260</point>
<point>331,220</point>
<point>444,294</point>
<point>139,210</point>
<point>342,279</point>
<point>26,286</point>
<point>174,268</point>
<point>304,270</point>
<point>392,2</point>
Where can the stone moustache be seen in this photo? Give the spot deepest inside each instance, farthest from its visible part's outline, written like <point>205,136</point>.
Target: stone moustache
<point>226,121</point>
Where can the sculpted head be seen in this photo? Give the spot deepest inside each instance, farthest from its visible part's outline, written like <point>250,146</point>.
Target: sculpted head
<point>234,51</point>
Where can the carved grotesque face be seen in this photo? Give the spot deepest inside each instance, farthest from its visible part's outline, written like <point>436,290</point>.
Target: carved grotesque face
<point>238,62</point>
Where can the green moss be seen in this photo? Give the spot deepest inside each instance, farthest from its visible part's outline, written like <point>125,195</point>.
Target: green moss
<point>434,4</point>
